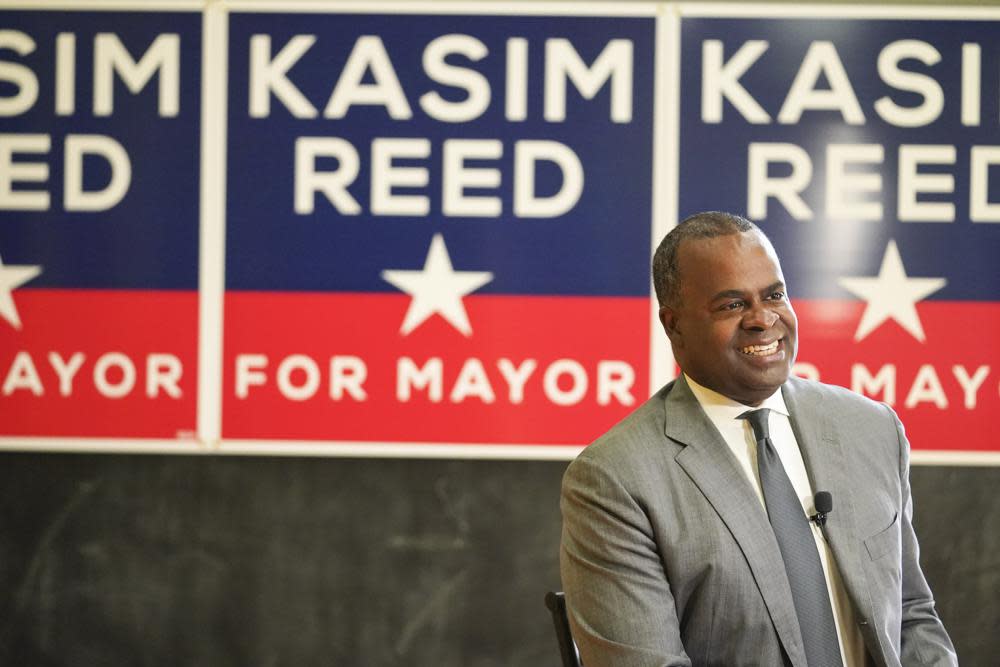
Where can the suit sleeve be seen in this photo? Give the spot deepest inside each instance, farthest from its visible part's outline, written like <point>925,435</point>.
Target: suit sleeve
<point>923,639</point>
<point>621,609</point>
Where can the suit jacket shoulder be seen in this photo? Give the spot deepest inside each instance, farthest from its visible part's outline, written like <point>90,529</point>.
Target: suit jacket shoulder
<point>828,418</point>
<point>831,398</point>
<point>633,438</point>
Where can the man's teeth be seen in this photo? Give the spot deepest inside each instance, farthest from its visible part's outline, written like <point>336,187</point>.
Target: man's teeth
<point>761,350</point>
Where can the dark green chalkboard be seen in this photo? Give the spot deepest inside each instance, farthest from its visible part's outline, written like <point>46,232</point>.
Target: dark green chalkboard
<point>181,560</point>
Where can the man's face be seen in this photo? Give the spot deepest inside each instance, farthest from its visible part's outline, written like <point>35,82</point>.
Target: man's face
<point>732,328</point>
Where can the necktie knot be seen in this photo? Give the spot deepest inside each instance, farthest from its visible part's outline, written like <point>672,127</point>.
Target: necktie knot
<point>758,422</point>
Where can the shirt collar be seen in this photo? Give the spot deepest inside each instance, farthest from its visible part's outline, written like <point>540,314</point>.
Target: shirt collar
<point>718,406</point>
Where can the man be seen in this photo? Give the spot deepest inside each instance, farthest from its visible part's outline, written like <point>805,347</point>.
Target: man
<point>686,531</point>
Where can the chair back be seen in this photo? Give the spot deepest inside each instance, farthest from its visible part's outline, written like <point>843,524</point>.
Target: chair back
<point>556,602</point>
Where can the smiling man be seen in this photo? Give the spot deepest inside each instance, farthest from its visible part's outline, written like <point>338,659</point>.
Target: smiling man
<point>691,534</point>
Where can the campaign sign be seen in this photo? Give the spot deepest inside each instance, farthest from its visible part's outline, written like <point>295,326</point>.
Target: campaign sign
<point>867,150</point>
<point>437,227</point>
<point>99,169</point>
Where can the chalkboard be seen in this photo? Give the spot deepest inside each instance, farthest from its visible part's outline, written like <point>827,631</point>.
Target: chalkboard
<point>180,560</point>
<point>957,519</point>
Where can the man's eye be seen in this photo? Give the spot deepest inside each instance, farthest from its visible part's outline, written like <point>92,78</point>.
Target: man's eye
<point>777,296</point>
<point>733,305</point>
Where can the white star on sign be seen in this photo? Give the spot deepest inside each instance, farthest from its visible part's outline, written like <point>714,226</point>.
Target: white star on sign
<point>12,277</point>
<point>891,295</point>
<point>437,289</point>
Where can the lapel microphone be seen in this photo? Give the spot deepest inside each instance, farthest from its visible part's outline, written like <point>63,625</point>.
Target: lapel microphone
<point>823,500</point>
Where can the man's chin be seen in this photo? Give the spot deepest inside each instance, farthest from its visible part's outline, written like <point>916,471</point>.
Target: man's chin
<point>762,385</point>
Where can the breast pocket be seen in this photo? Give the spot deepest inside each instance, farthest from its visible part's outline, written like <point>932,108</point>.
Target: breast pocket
<point>885,541</point>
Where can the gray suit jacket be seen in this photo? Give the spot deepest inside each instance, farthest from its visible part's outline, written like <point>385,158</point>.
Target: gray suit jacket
<point>668,558</point>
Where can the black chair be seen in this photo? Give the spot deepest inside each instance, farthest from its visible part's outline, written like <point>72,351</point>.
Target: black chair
<point>556,603</point>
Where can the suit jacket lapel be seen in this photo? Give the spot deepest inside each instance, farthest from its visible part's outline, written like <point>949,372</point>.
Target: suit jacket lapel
<point>829,470</point>
<point>709,463</point>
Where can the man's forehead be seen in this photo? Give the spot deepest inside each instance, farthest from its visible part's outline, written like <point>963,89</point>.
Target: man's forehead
<point>741,258</point>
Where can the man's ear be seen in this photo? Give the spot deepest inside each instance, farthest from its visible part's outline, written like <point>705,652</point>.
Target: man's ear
<point>668,318</point>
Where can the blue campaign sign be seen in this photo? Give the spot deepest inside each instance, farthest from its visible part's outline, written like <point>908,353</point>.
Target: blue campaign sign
<point>437,226</point>
<point>99,223</point>
<point>867,150</point>
<point>526,140</point>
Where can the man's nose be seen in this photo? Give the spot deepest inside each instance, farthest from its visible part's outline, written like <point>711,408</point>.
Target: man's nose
<point>759,317</point>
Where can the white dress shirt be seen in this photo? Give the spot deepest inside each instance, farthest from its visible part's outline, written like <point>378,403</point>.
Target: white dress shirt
<point>724,414</point>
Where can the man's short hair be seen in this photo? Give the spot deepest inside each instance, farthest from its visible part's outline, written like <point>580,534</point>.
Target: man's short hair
<point>709,224</point>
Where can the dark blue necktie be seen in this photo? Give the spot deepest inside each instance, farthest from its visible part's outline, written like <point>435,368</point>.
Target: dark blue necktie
<point>798,550</point>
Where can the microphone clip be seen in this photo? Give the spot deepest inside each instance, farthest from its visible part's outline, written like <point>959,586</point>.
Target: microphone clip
<point>819,518</point>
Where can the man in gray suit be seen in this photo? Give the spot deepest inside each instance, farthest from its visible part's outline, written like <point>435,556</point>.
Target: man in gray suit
<point>671,555</point>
